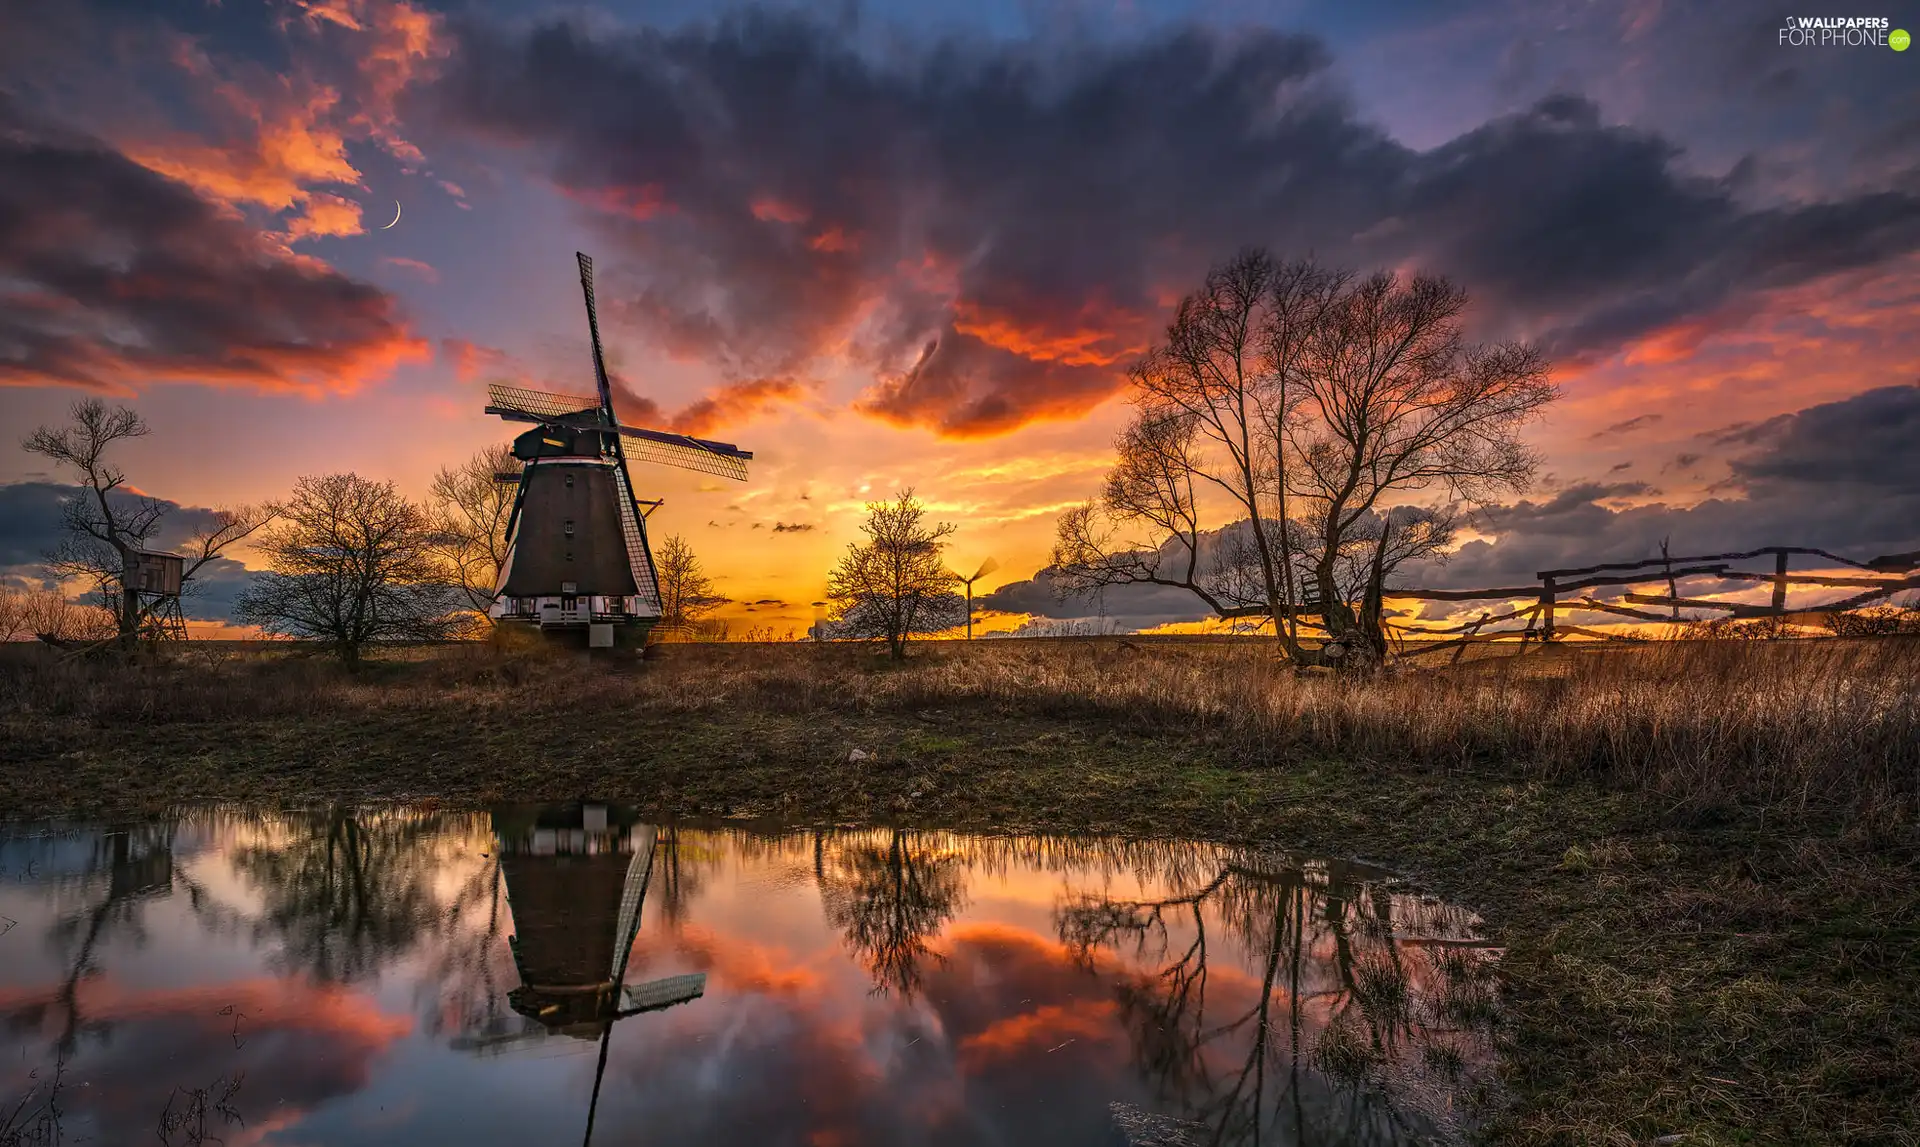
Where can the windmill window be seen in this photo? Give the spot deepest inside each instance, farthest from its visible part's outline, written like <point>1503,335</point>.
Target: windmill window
<point>569,481</point>
<point>569,527</point>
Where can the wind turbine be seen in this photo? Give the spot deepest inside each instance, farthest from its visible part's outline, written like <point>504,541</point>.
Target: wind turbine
<point>986,568</point>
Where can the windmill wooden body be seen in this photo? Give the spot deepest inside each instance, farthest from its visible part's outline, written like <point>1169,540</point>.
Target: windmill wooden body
<point>577,559</point>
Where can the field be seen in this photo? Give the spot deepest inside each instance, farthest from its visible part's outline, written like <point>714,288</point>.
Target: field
<point>1703,857</point>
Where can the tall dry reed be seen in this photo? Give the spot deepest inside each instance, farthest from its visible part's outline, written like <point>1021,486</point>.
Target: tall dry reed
<point>1832,723</point>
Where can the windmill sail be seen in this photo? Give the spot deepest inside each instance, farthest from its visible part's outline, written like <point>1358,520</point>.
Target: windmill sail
<point>593,328</point>
<point>633,527</point>
<point>633,531</point>
<point>720,459</point>
<point>537,405</point>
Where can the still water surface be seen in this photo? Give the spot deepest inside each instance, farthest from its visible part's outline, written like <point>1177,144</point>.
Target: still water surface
<point>534,975</point>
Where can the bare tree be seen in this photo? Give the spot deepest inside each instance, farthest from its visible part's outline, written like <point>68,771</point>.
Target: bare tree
<point>107,522</point>
<point>49,614</point>
<point>1397,403</point>
<point>470,506</point>
<point>894,584</point>
<point>13,614</point>
<point>1311,405</point>
<point>351,561</point>
<point>1211,406</point>
<point>686,592</point>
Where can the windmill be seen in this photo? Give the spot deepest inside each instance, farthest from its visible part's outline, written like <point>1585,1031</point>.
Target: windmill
<point>577,557</point>
<point>576,882</point>
<point>986,568</point>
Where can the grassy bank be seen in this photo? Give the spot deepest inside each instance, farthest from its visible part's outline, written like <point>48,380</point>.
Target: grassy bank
<point>1703,858</point>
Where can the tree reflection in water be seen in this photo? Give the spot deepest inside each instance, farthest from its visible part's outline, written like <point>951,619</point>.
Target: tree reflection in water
<point>344,890</point>
<point>890,897</point>
<point>1385,994</point>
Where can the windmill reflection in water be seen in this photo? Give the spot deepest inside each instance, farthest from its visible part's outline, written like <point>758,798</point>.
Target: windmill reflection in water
<point>576,882</point>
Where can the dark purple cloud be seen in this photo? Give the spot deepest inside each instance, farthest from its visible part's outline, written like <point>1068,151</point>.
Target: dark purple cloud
<point>113,277</point>
<point>994,230</point>
<point>30,526</point>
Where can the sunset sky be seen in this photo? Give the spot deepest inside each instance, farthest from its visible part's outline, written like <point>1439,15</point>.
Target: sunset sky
<point>895,244</point>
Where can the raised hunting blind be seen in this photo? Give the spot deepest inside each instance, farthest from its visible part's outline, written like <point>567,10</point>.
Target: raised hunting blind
<point>577,559</point>
<point>154,579</point>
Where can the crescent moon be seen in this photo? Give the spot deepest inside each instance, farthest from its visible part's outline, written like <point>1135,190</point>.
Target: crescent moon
<point>396,215</point>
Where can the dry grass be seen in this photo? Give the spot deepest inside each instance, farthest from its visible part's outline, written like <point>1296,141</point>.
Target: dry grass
<point>1829,724</point>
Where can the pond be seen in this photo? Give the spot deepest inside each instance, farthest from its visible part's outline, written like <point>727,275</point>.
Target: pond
<point>561,973</point>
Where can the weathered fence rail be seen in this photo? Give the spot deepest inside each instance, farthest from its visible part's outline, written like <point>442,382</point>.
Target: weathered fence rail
<point>1894,573</point>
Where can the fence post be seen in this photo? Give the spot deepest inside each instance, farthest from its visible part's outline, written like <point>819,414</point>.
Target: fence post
<point>1779,581</point>
<point>1547,598</point>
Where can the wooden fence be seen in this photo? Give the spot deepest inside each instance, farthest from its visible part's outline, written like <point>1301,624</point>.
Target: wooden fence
<point>1548,599</point>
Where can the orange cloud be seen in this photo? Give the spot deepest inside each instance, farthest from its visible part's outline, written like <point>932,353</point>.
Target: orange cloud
<point>271,137</point>
<point>271,156</point>
<point>962,388</point>
<point>1778,352</point>
<point>326,215</point>
<point>932,273</point>
<point>723,406</point>
<point>1094,336</point>
<point>1040,1030</point>
<point>1681,340</point>
<point>393,45</point>
<point>469,359</point>
<point>735,402</point>
<point>305,1042</point>
<point>335,11</point>
<point>283,368</point>
<point>739,965</point>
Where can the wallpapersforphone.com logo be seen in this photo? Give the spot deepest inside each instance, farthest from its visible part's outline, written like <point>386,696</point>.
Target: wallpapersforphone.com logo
<point>1843,32</point>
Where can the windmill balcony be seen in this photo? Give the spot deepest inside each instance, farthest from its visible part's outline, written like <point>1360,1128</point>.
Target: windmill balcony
<point>569,611</point>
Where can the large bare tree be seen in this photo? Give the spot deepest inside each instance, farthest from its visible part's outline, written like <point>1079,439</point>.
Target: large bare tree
<point>107,521</point>
<point>1208,441</point>
<point>1300,408</point>
<point>470,505</point>
<point>351,561</point>
<point>686,592</point>
<point>895,584</point>
<point>1393,402</point>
